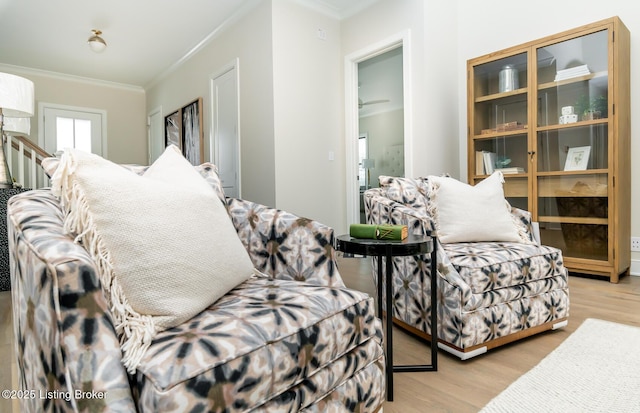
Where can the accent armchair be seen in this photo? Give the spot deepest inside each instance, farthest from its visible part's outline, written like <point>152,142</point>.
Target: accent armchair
<point>287,339</point>
<point>490,293</point>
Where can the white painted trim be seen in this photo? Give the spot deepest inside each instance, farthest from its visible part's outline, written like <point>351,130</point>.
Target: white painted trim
<point>241,12</point>
<point>351,113</point>
<point>635,268</point>
<point>26,71</point>
<point>101,112</point>
<point>329,8</point>
<point>462,355</point>
<point>561,324</point>
<point>157,110</point>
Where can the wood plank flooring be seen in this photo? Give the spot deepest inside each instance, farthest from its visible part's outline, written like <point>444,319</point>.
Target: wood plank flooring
<point>457,386</point>
<point>466,386</point>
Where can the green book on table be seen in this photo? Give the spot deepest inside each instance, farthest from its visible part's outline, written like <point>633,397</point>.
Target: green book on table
<point>369,231</point>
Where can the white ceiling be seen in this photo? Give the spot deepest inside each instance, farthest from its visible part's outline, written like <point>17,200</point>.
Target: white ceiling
<point>145,38</point>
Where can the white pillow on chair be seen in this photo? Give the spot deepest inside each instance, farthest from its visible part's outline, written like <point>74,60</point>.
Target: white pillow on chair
<point>465,213</point>
<point>163,242</point>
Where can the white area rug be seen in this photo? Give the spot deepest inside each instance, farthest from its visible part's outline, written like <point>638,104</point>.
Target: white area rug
<point>596,369</point>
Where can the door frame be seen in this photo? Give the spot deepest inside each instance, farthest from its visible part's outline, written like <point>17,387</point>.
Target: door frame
<point>402,39</point>
<point>155,116</point>
<point>103,114</point>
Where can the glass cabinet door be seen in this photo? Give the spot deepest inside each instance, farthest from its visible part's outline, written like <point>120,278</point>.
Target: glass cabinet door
<point>500,126</point>
<point>572,145</point>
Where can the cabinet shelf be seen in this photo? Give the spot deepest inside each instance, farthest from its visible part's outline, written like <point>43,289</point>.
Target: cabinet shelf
<point>502,134</point>
<point>574,220</point>
<point>505,175</point>
<point>501,95</point>
<point>597,75</point>
<point>568,173</point>
<point>602,121</point>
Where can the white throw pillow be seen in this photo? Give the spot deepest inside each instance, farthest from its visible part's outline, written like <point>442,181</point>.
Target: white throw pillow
<point>163,242</point>
<point>465,213</point>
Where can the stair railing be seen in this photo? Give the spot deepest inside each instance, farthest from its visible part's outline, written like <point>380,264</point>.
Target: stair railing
<point>29,162</point>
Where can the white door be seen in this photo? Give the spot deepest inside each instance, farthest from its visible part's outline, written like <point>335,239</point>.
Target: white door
<point>226,137</point>
<point>156,134</point>
<point>73,128</point>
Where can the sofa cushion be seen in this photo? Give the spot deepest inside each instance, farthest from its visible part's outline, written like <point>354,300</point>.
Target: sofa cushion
<point>156,239</point>
<point>491,266</point>
<point>465,213</point>
<point>258,343</point>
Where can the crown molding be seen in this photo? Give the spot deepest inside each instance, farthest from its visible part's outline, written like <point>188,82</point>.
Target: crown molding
<point>329,8</point>
<point>72,78</point>
<point>241,12</point>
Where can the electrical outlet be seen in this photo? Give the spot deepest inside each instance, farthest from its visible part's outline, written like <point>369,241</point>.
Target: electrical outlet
<point>635,244</point>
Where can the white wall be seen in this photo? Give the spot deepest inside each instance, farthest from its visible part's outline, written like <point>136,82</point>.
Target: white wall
<point>292,97</point>
<point>491,25</point>
<point>432,108</point>
<point>125,107</point>
<point>250,40</point>
<point>308,114</point>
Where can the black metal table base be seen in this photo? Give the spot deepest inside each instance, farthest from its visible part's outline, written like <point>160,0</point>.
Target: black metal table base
<point>390,367</point>
<point>387,249</point>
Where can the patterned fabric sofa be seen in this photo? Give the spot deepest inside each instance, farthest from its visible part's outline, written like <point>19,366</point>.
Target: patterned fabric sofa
<point>490,293</point>
<point>293,340</point>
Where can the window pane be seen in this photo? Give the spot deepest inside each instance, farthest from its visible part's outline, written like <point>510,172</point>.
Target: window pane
<point>64,131</point>
<point>83,135</point>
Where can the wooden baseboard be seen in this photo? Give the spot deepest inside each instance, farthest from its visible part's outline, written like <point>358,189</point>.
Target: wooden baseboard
<point>500,341</point>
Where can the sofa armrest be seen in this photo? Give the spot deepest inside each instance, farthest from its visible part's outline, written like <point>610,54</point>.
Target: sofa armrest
<point>64,336</point>
<point>382,210</point>
<point>285,246</point>
<point>525,225</point>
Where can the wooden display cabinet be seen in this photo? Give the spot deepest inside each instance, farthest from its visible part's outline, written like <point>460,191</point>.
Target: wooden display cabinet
<point>553,114</point>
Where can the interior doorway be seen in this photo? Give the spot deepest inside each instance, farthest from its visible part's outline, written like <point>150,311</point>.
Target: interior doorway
<point>380,119</point>
<point>226,128</point>
<point>155,134</point>
<point>374,110</point>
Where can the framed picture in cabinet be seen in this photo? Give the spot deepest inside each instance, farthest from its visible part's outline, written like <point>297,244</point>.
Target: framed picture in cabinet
<point>577,158</point>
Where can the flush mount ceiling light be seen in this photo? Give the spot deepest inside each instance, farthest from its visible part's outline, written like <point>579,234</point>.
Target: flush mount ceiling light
<point>97,43</point>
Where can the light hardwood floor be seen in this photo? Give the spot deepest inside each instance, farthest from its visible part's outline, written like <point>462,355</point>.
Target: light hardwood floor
<point>466,386</point>
<point>457,386</point>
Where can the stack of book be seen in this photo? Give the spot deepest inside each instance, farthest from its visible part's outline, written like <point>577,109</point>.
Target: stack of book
<point>511,170</point>
<point>572,72</point>
<point>486,164</point>
<point>384,231</point>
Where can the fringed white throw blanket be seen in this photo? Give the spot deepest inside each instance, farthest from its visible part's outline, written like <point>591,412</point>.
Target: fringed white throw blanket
<point>596,369</point>
<point>164,244</point>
